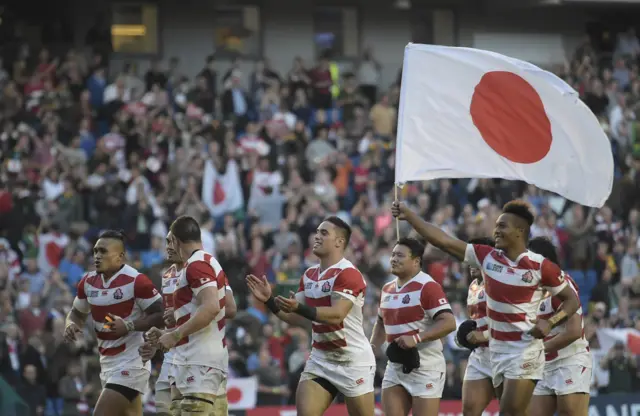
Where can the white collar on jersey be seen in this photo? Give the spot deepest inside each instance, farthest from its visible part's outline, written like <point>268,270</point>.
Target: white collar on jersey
<point>123,270</point>
<point>399,286</point>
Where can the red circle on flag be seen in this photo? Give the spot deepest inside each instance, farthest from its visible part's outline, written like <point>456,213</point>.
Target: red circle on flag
<point>510,116</point>
<point>234,395</point>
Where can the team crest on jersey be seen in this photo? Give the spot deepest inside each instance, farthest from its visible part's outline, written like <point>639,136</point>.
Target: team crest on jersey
<point>406,299</point>
<point>326,287</point>
<point>118,294</point>
<point>527,277</point>
<point>542,307</point>
<point>481,294</point>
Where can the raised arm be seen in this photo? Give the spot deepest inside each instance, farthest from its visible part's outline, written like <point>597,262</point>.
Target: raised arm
<point>431,233</point>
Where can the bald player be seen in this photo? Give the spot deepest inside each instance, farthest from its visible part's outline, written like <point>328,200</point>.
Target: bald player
<point>123,304</point>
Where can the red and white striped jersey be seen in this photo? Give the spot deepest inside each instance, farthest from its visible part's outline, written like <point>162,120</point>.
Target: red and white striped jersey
<point>514,290</point>
<point>207,346</point>
<point>577,350</point>
<point>477,306</point>
<point>410,309</point>
<point>169,282</point>
<point>345,342</point>
<point>126,295</point>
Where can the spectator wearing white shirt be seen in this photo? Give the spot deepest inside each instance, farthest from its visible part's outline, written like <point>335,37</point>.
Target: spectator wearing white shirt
<point>117,91</point>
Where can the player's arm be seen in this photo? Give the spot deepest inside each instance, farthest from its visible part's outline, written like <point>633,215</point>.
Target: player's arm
<point>202,281</point>
<point>77,316</point>
<point>150,301</point>
<point>292,318</point>
<point>552,279</point>
<point>347,288</point>
<point>436,306</point>
<point>334,314</point>
<point>573,331</point>
<point>431,233</point>
<point>378,335</point>
<point>230,307</point>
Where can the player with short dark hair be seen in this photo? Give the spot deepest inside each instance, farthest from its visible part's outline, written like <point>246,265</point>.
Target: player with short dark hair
<point>163,383</point>
<point>566,381</point>
<point>201,358</point>
<point>331,296</point>
<point>515,282</point>
<point>413,318</point>
<point>477,387</point>
<point>123,304</point>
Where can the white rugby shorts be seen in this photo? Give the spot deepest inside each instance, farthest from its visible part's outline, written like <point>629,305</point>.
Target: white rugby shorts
<point>350,380</point>
<point>135,378</point>
<point>421,383</point>
<point>202,379</point>
<point>479,365</point>
<point>527,365</point>
<point>564,380</point>
<point>165,378</point>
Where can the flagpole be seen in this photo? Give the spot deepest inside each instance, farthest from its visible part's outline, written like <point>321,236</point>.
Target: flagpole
<point>395,192</point>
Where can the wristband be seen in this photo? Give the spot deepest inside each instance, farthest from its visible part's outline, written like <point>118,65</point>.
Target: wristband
<point>416,338</point>
<point>306,311</point>
<point>130,326</point>
<point>271,304</point>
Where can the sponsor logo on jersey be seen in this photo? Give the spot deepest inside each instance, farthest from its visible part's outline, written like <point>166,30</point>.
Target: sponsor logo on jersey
<point>191,379</point>
<point>359,381</point>
<point>429,386</point>
<point>568,382</point>
<point>124,373</point>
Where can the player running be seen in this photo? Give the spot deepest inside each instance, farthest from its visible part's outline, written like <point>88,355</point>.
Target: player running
<point>567,372</point>
<point>163,385</point>
<point>201,358</point>
<point>414,316</point>
<point>477,387</point>
<point>331,296</point>
<point>123,303</point>
<point>515,280</point>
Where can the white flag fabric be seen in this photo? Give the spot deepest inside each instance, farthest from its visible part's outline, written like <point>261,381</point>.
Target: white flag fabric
<point>469,113</point>
<point>222,193</point>
<point>629,336</point>
<point>242,393</point>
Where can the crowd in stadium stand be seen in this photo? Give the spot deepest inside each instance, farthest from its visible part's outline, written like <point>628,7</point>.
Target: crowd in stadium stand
<point>259,159</point>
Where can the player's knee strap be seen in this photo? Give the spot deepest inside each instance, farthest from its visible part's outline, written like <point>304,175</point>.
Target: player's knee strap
<point>163,402</point>
<point>197,403</point>
<point>175,407</point>
<point>221,406</point>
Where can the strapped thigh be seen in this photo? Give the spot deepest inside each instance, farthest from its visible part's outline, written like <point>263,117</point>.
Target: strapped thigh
<point>174,408</point>
<point>221,406</point>
<point>197,404</point>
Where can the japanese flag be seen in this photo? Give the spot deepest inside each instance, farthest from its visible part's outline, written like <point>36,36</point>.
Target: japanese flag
<point>469,113</point>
